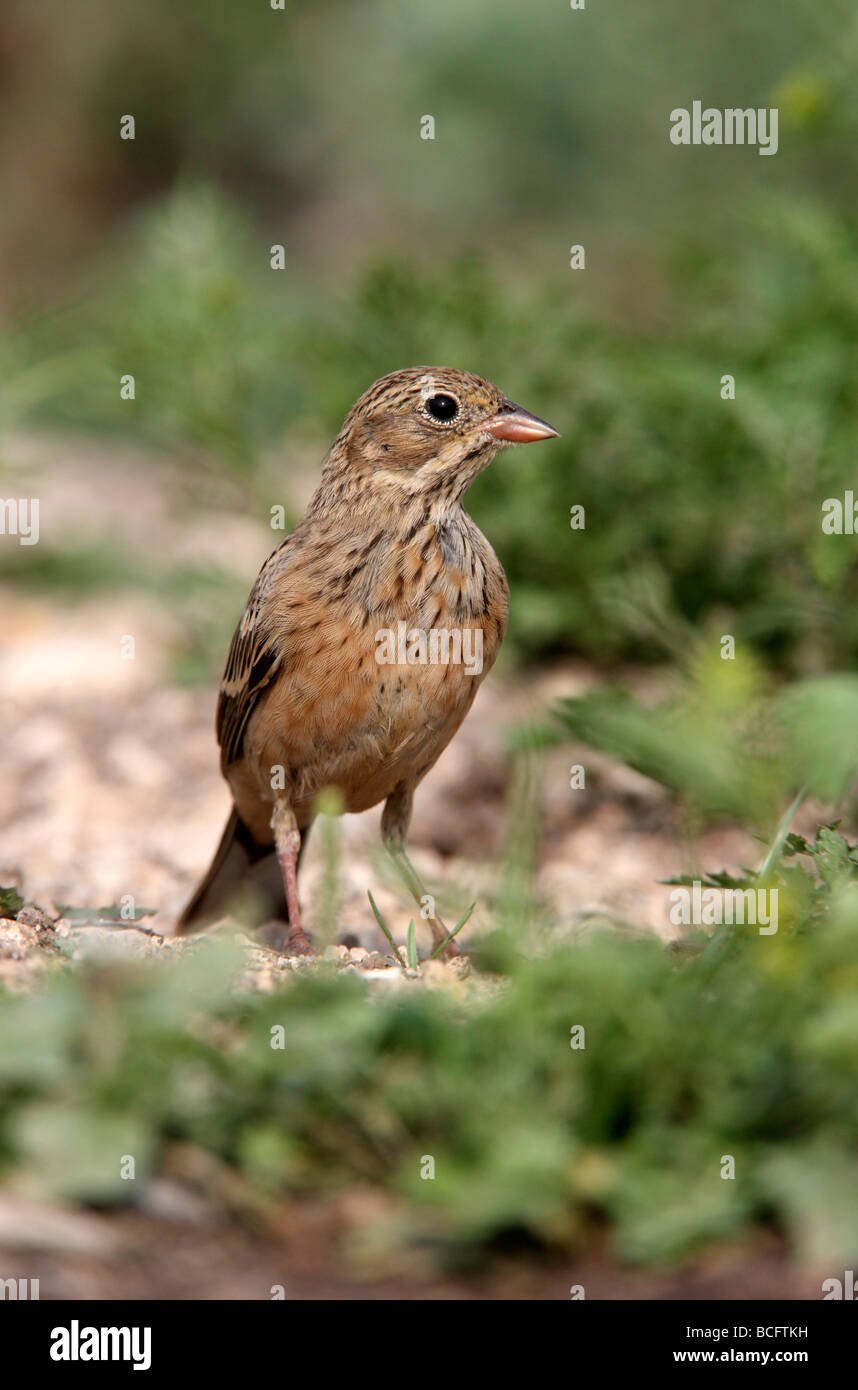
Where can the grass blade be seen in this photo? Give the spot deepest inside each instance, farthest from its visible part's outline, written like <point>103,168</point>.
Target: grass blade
<point>458,927</point>
<point>385,928</point>
<point>411,946</point>
<point>780,835</point>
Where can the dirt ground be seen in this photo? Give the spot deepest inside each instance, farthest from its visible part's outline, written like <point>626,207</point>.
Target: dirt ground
<point>198,1254</point>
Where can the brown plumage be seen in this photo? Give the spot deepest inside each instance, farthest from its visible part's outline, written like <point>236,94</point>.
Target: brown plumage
<point>305,702</point>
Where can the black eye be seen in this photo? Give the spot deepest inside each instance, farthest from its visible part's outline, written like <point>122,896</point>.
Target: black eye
<point>442,407</point>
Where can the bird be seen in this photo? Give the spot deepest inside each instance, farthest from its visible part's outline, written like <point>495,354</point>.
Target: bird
<point>330,680</point>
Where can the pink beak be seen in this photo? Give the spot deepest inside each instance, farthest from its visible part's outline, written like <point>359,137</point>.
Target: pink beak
<point>518,426</point>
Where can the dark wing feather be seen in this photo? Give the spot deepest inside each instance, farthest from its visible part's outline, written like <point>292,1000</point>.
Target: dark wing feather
<point>254,657</point>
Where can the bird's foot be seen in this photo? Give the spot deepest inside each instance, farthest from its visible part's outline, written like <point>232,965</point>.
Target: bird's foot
<point>297,943</point>
<point>440,933</point>
<point>288,941</point>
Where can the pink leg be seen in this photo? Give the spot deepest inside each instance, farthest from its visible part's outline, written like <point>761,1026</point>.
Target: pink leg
<point>287,840</point>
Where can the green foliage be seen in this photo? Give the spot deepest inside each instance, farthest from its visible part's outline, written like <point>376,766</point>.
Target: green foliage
<point>548,122</point>
<point>807,891</point>
<point>733,1043</point>
<point>746,1046</point>
<point>385,928</point>
<point>411,946</point>
<point>11,902</point>
<point>725,742</point>
<point>442,945</point>
<point>702,516</point>
<point>110,915</point>
<point>329,807</point>
<point>698,510</point>
<point>185,310</point>
<point>699,264</point>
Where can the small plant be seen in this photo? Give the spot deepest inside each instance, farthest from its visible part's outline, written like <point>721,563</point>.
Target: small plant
<point>386,929</point>
<point>11,902</point>
<point>442,945</point>
<point>411,946</point>
<point>329,806</point>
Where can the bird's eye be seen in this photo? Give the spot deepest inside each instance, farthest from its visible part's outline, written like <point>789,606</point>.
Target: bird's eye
<point>442,407</point>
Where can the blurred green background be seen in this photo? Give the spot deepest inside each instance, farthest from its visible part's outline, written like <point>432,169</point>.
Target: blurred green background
<point>703,518</point>
<point>302,127</point>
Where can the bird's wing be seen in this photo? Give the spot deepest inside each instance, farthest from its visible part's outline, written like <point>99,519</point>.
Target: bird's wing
<point>255,655</point>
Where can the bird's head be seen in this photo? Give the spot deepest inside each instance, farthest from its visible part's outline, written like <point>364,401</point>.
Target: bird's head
<point>428,431</point>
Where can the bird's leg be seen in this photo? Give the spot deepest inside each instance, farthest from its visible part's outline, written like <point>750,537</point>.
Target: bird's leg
<point>394,825</point>
<point>287,842</point>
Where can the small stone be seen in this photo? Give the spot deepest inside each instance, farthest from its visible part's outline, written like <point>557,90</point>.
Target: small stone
<point>169,1200</point>
<point>460,966</point>
<point>394,978</point>
<point>109,943</point>
<point>374,960</point>
<point>33,916</point>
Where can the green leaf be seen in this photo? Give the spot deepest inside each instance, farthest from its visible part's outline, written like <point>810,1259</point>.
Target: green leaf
<point>101,916</point>
<point>11,902</point>
<point>458,927</point>
<point>411,946</point>
<point>385,928</point>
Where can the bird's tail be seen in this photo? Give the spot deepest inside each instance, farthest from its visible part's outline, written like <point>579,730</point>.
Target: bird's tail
<point>241,868</point>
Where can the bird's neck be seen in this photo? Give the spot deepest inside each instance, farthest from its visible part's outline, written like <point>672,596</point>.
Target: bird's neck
<point>374,502</point>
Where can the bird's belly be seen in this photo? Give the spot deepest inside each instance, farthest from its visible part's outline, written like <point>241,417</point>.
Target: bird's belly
<point>415,713</point>
<point>363,727</point>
